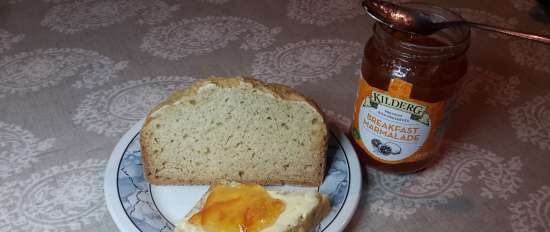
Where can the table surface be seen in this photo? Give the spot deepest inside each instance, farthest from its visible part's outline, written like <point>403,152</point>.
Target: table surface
<point>76,74</point>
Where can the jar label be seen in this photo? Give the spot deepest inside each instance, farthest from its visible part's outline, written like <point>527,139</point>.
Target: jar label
<point>391,127</point>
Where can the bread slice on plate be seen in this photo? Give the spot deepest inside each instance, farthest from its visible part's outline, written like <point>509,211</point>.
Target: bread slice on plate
<point>249,207</point>
<point>237,129</point>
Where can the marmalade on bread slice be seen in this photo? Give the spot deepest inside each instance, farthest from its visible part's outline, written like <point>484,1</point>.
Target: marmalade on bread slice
<point>236,207</point>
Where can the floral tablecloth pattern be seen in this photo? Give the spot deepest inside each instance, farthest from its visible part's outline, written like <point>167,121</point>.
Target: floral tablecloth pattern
<point>76,74</point>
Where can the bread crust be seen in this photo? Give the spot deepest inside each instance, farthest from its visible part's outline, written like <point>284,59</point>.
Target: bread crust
<point>277,90</point>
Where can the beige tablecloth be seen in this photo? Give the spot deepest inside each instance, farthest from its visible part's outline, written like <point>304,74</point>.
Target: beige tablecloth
<point>76,74</point>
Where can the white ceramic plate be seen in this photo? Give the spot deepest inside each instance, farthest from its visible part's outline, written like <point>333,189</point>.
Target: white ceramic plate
<point>137,206</point>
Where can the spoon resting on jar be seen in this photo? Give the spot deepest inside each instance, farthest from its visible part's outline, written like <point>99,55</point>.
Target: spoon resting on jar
<point>415,21</point>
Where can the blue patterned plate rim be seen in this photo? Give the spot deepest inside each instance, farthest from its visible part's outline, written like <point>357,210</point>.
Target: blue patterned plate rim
<point>133,208</point>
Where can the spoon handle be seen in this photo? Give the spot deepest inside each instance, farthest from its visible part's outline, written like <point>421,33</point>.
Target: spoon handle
<point>533,37</point>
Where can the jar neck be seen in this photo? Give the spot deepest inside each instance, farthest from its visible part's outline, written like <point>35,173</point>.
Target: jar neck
<point>444,45</point>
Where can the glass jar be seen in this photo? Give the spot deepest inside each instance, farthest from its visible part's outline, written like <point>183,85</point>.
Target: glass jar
<point>405,93</point>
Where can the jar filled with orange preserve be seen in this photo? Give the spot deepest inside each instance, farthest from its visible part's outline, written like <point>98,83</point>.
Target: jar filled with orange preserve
<point>405,93</point>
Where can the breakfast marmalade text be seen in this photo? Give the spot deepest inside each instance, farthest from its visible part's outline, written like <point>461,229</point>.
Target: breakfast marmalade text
<point>404,96</point>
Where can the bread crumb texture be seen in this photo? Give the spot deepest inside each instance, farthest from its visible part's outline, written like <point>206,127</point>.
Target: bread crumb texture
<point>234,129</point>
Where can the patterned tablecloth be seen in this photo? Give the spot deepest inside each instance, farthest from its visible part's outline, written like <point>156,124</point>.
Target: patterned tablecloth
<point>76,74</point>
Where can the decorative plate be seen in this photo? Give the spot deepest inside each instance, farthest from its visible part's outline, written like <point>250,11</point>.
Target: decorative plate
<point>137,206</point>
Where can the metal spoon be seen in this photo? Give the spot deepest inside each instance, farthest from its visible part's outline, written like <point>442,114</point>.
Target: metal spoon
<point>414,21</point>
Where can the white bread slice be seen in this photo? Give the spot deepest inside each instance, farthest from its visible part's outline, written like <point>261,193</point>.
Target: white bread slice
<point>303,212</point>
<point>237,129</point>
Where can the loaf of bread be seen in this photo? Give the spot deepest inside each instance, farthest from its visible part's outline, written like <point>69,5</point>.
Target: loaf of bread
<point>302,211</point>
<point>236,129</point>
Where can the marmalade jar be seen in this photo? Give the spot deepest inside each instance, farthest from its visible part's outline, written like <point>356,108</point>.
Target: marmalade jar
<point>405,93</point>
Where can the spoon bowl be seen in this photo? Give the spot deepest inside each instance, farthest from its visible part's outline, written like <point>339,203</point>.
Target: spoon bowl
<point>400,18</point>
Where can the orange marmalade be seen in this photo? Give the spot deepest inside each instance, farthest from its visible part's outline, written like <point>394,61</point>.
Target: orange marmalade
<point>405,94</point>
<point>242,207</point>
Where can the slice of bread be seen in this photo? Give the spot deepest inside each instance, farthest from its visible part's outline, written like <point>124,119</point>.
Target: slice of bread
<point>237,129</point>
<point>303,211</point>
